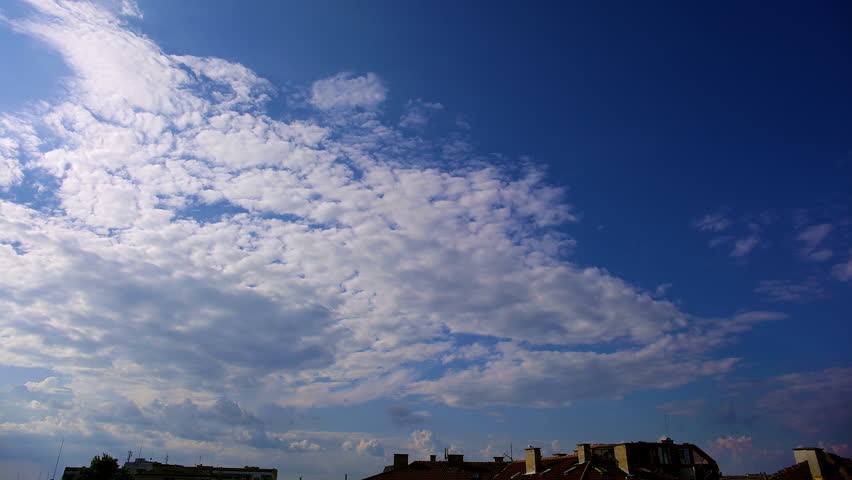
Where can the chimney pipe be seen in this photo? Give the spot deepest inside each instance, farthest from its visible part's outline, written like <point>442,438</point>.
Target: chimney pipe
<point>584,452</point>
<point>533,459</point>
<point>433,458</point>
<point>498,459</point>
<point>400,460</point>
<point>455,458</point>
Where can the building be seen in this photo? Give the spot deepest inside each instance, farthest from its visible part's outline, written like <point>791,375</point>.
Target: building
<point>684,461</point>
<point>815,464</point>
<point>454,468</point>
<point>150,470</point>
<point>663,460</point>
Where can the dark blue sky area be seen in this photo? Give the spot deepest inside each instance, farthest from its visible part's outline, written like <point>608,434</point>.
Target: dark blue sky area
<point>651,114</point>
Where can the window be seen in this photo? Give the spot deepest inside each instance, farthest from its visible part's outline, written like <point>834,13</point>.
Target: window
<point>665,456</point>
<point>684,456</point>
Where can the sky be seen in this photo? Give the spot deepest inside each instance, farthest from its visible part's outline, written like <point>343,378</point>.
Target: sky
<point>308,235</point>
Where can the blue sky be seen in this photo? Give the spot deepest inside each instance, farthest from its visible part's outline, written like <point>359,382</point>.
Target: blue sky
<point>308,235</point>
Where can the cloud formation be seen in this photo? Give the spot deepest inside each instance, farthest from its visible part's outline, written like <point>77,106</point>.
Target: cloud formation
<point>347,91</point>
<point>189,252</point>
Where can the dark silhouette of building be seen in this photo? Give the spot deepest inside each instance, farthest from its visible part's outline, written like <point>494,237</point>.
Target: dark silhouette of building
<point>663,460</point>
<point>454,468</point>
<point>150,470</point>
<point>815,464</point>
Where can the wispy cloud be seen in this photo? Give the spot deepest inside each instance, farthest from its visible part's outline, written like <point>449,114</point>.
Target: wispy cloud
<point>741,243</point>
<point>843,271</point>
<point>417,113</point>
<point>811,402</point>
<point>743,246</point>
<point>714,222</point>
<point>812,238</point>
<point>787,291</point>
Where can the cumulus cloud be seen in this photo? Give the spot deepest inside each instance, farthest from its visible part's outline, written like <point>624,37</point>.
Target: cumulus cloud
<point>347,91</point>
<point>303,446</point>
<point>740,452</point>
<point>197,255</point>
<point>365,446</point>
<point>424,442</point>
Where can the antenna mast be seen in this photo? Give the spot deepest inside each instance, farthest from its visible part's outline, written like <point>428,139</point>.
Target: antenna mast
<point>57,458</point>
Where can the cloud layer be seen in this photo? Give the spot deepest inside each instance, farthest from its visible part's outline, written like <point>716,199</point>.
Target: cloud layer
<point>179,250</point>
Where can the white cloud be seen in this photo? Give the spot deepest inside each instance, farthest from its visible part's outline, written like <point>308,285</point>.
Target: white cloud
<point>425,442</point>
<point>715,222</point>
<point>364,446</point>
<point>843,271</point>
<point>744,246</point>
<point>786,291</point>
<point>50,385</point>
<point>813,237</point>
<point>417,113</point>
<point>346,91</point>
<point>303,446</point>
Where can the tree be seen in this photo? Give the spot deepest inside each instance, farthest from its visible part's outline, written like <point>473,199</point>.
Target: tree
<point>104,467</point>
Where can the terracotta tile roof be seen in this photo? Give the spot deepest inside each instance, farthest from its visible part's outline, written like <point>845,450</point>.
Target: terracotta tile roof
<point>425,470</point>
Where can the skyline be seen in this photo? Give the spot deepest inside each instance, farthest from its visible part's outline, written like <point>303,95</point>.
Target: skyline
<point>307,236</point>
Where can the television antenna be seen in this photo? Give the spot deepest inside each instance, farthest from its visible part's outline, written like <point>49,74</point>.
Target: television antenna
<point>57,458</point>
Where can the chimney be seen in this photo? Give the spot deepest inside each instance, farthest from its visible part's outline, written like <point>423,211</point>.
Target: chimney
<point>400,460</point>
<point>621,460</point>
<point>815,458</point>
<point>455,458</point>
<point>533,458</point>
<point>433,458</point>
<point>584,452</point>
<point>498,459</point>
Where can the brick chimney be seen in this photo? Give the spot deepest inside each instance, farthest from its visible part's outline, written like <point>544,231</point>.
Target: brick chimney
<point>584,452</point>
<point>533,459</point>
<point>815,458</point>
<point>455,458</point>
<point>433,458</point>
<point>400,460</point>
